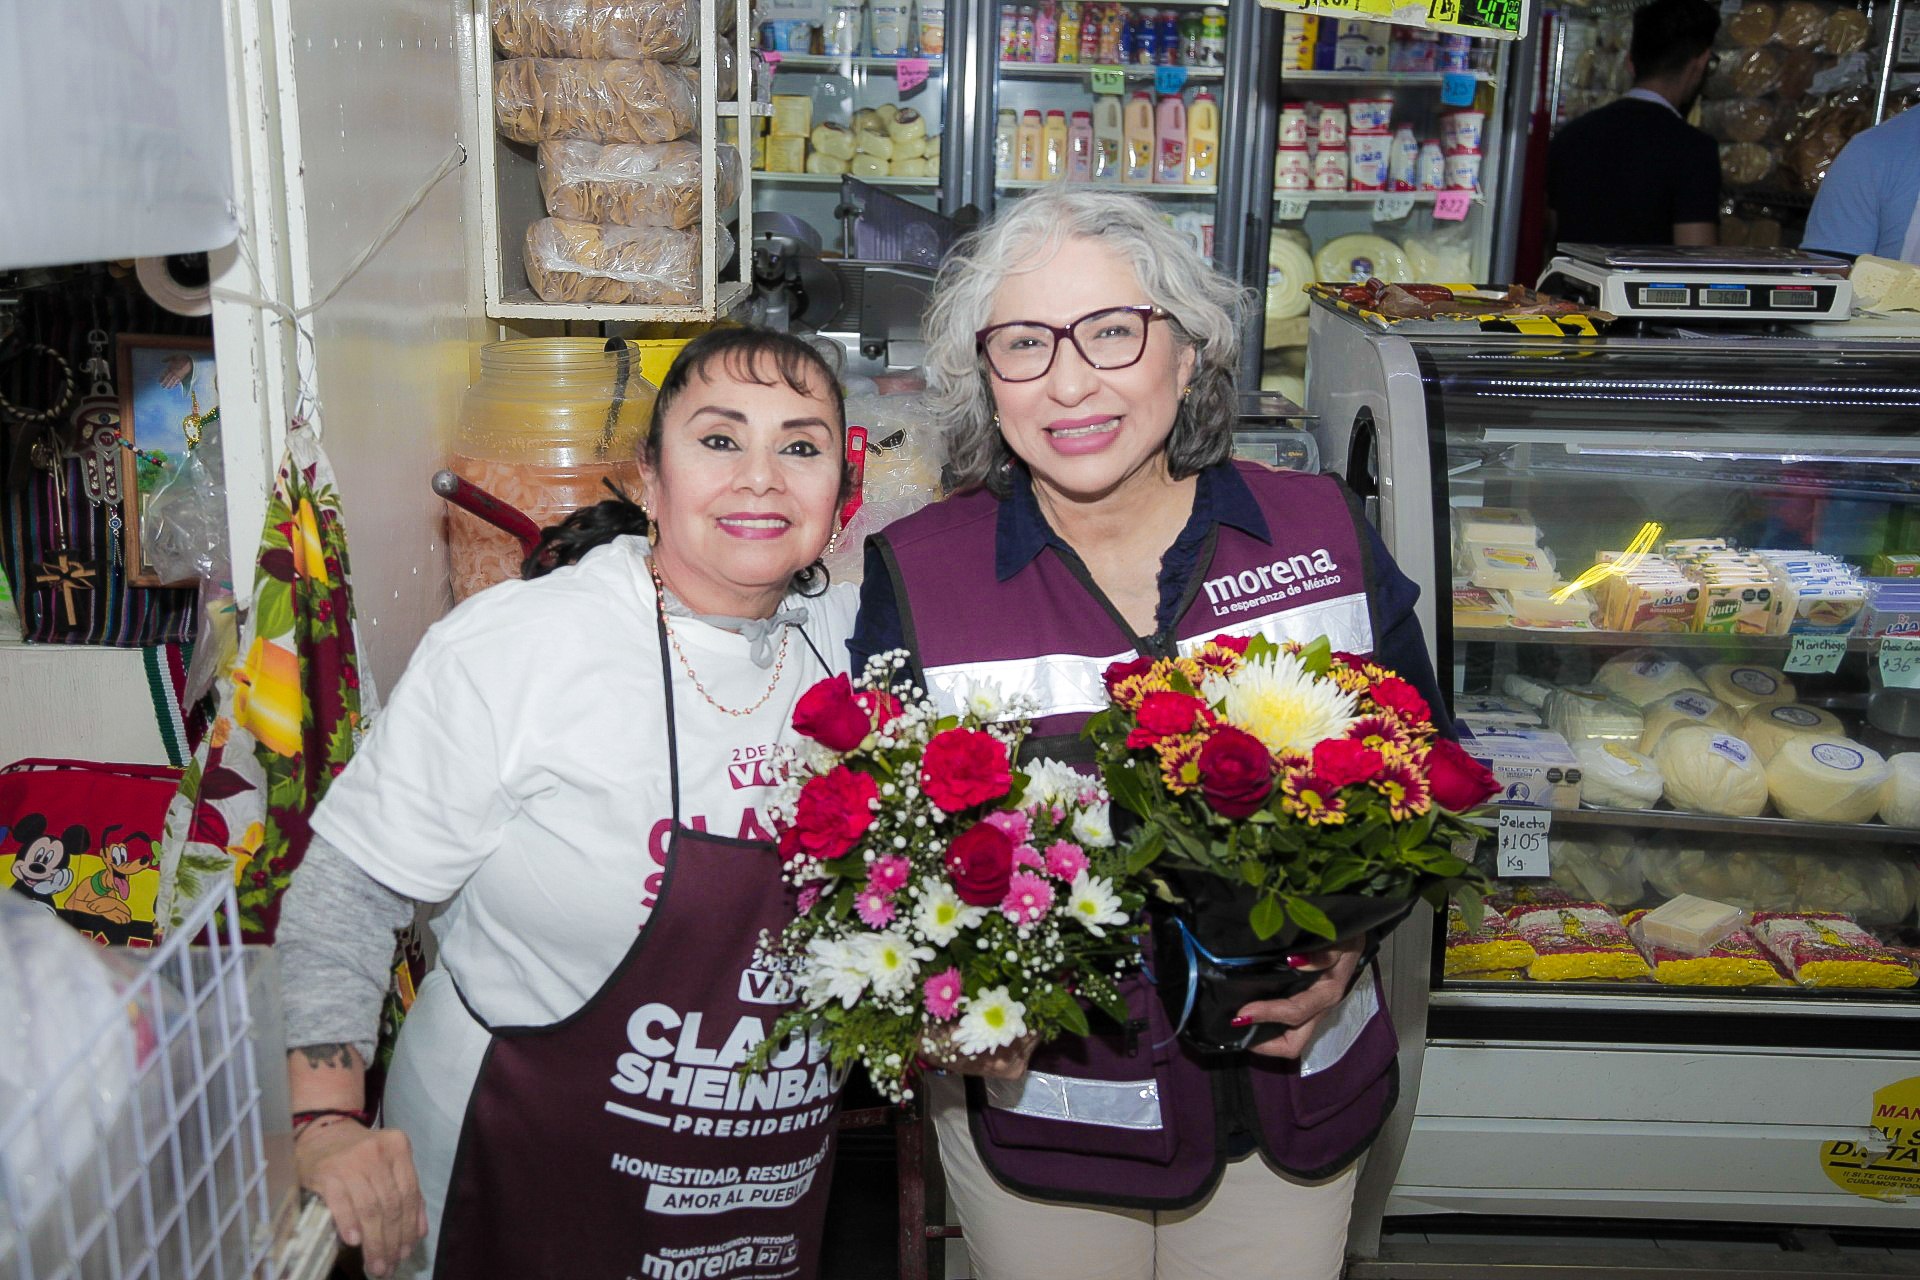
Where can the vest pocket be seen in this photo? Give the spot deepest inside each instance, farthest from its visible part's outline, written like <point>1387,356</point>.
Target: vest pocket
<point>1350,1061</point>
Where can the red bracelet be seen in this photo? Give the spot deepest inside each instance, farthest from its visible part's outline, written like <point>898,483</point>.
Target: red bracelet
<point>301,1119</point>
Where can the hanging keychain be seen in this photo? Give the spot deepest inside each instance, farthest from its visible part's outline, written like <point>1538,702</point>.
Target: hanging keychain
<point>96,423</point>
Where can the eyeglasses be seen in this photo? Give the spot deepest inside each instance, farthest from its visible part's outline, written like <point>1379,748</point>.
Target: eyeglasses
<point>1113,338</point>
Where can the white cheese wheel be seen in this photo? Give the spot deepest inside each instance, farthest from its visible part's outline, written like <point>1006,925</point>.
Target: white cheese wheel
<point>1644,676</point>
<point>1689,706</point>
<point>1900,793</point>
<point>1615,776</point>
<point>1826,780</point>
<point>1580,715</point>
<point>1289,272</point>
<point>1743,685</point>
<point>1767,725</point>
<point>1710,771</point>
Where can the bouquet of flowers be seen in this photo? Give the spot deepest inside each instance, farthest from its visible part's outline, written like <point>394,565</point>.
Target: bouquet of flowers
<point>1286,797</point>
<point>949,903</point>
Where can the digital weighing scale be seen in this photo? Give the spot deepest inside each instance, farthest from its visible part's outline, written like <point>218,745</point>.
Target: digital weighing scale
<point>1700,282</point>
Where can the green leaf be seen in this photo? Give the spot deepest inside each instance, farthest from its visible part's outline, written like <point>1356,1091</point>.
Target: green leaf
<point>1146,848</point>
<point>1073,1017</point>
<point>1267,917</point>
<point>1310,918</point>
<point>272,608</point>
<point>1255,873</point>
<point>1128,790</point>
<point>1179,682</point>
<point>1317,657</point>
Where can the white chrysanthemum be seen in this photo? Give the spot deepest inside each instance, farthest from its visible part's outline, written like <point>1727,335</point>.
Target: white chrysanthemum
<point>889,961</point>
<point>1279,702</point>
<point>834,972</point>
<point>983,699</point>
<point>991,1020</point>
<point>1093,827</point>
<point>940,915</point>
<point>1051,782</point>
<point>1092,901</point>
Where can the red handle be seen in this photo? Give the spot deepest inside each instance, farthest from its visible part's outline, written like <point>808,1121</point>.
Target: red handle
<point>471,498</point>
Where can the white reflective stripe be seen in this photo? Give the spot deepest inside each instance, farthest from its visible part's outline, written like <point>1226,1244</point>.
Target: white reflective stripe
<point>1337,1034</point>
<point>1112,1104</point>
<point>1073,683</point>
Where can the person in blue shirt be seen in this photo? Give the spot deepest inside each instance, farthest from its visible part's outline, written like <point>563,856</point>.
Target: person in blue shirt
<point>1870,200</point>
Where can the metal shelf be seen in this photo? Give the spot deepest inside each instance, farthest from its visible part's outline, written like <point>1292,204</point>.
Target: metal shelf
<point>845,62</point>
<point>1648,639</point>
<point>1070,70</point>
<point>1379,77</point>
<point>525,304</point>
<point>1168,190</point>
<point>1364,197</point>
<point>833,180</point>
<point>1621,997</point>
<point>1708,824</point>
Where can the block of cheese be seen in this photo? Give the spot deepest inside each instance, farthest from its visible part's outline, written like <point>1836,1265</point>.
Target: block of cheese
<point>1539,608</point>
<point>792,115</point>
<point>1580,715</point>
<point>1742,685</point>
<point>1529,690</point>
<point>1710,771</point>
<point>831,138</point>
<point>786,154</point>
<point>1505,567</point>
<point>1532,766</point>
<point>1644,676</point>
<point>1768,724</point>
<point>1884,284</point>
<point>1508,525</point>
<point>1615,776</point>
<point>1690,706</point>
<point>1689,925</point>
<point>1478,607</point>
<point>1826,780</point>
<point>1900,793</point>
<point>912,167</point>
<point>820,162</point>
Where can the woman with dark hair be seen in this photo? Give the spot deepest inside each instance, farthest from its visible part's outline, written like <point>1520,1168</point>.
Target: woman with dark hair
<point>1084,355</point>
<point>573,775</point>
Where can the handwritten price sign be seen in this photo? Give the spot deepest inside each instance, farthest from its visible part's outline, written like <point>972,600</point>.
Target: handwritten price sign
<point>910,74</point>
<point>1289,208</point>
<point>1391,208</point>
<point>1457,89</point>
<point>1452,206</point>
<point>1109,80</point>
<point>1900,662</point>
<point>1815,654</point>
<point>1523,847</point>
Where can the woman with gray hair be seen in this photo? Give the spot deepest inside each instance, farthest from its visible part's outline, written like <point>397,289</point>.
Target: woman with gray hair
<point>1084,355</point>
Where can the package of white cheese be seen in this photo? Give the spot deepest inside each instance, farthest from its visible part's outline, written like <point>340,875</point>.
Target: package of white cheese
<point>1606,868</point>
<point>1532,766</point>
<point>1744,685</point>
<point>1509,525</point>
<point>1529,690</point>
<point>1900,793</point>
<point>1689,925</point>
<point>1644,676</point>
<point>1482,711</point>
<point>1580,715</point>
<point>1826,780</point>
<point>1767,725</point>
<point>1504,566</point>
<point>1543,610</point>
<point>1615,776</point>
<point>1690,706</point>
<point>1711,771</point>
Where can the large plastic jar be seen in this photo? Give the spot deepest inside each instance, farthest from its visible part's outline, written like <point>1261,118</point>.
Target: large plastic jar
<point>549,420</point>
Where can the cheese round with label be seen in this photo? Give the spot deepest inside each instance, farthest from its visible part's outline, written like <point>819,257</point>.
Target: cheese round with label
<point>1826,779</point>
<point>1900,793</point>
<point>1689,706</point>
<point>1767,725</point>
<point>1615,776</point>
<point>1711,771</point>
<point>1743,685</point>
<point>1643,676</point>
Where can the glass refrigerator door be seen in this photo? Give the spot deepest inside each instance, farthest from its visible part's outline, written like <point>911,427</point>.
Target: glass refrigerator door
<point>1127,97</point>
<point>1726,711</point>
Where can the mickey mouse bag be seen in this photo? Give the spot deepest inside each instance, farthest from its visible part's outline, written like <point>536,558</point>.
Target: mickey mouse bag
<point>81,840</point>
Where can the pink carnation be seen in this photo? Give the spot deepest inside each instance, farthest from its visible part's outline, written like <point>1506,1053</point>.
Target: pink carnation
<point>1028,898</point>
<point>810,894</point>
<point>943,994</point>
<point>1065,860</point>
<point>874,909</point>
<point>1012,822</point>
<point>888,874</point>
<point>1028,856</point>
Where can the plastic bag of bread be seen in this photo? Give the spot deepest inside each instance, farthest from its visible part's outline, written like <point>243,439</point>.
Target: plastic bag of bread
<point>1846,31</point>
<point>570,261</point>
<point>633,184</point>
<point>1801,24</point>
<point>1743,164</point>
<point>1797,73</point>
<point>1823,130</point>
<point>1753,25</point>
<point>1753,72</point>
<point>1743,119</point>
<point>666,30</point>
<point>623,100</point>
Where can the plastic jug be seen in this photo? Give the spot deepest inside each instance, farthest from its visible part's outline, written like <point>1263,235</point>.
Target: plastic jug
<point>1006,145</point>
<point>1140,141</point>
<point>1026,166</point>
<point>1080,148</point>
<point>1109,138</point>
<point>1046,33</point>
<point>1170,140</point>
<point>1203,140</point>
<point>1053,147</point>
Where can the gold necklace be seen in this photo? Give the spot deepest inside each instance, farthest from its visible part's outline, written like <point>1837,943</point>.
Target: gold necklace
<point>673,642</point>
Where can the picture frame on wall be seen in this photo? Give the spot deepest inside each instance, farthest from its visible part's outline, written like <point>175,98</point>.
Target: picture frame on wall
<point>168,393</point>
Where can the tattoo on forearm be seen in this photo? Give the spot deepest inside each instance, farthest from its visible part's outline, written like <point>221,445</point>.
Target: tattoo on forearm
<point>327,1055</point>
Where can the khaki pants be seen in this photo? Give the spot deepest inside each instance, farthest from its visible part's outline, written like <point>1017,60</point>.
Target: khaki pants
<point>1257,1224</point>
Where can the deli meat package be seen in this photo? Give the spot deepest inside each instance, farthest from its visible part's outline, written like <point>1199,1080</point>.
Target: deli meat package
<point>1576,941</point>
<point>1827,949</point>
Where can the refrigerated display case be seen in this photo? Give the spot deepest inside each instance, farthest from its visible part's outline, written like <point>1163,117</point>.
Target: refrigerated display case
<point>1738,754</point>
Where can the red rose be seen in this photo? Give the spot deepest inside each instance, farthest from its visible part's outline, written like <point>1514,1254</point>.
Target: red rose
<point>965,767</point>
<point>980,863</point>
<point>1401,698</point>
<point>882,706</point>
<point>1164,715</point>
<point>1357,661</point>
<point>834,811</point>
<point>1236,773</point>
<point>1236,643</point>
<point>830,715</point>
<point>1122,670</point>
<point>1457,780</point>
<point>1341,762</point>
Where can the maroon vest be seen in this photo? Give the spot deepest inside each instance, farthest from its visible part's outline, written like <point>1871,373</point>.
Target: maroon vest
<point>1132,1118</point>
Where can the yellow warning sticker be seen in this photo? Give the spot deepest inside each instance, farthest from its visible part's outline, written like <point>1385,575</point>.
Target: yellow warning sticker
<point>1887,1167</point>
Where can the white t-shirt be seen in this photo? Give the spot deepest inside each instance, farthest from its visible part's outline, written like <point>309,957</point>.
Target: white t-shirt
<point>520,772</point>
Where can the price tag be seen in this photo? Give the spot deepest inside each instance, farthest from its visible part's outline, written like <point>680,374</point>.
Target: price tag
<point>1289,208</point>
<point>1457,89</point>
<point>1811,654</point>
<point>1168,80</point>
<point>772,57</point>
<point>1452,206</point>
<point>1391,208</point>
<point>1109,80</point>
<point>910,73</point>
<point>1523,843</point>
<point>1900,662</point>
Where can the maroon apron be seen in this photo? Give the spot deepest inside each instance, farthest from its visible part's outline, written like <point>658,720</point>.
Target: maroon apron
<point>621,1143</point>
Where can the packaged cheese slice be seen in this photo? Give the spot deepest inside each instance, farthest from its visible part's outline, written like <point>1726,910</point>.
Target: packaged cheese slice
<point>1689,924</point>
<point>1505,567</point>
<point>1743,685</point>
<point>1690,706</point>
<point>1709,771</point>
<point>1826,780</point>
<point>1767,725</point>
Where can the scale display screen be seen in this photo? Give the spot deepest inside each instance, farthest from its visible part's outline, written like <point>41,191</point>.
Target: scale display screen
<point>1724,296</point>
<point>1794,298</point>
<point>1655,295</point>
